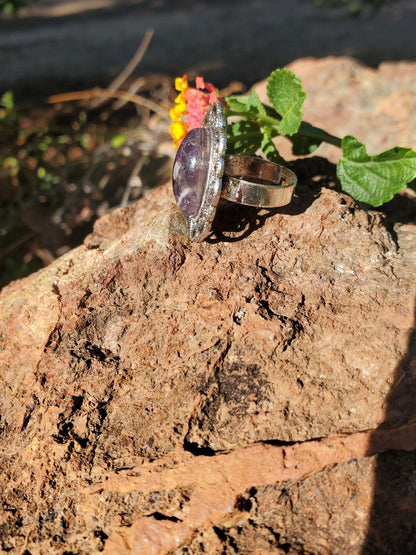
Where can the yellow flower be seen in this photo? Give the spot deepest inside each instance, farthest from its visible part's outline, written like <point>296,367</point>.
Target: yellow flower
<point>180,99</point>
<point>178,112</point>
<point>181,83</point>
<point>177,130</point>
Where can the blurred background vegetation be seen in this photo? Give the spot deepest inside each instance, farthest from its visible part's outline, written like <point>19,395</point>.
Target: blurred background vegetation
<point>12,7</point>
<point>355,6</point>
<point>64,166</point>
<point>67,160</point>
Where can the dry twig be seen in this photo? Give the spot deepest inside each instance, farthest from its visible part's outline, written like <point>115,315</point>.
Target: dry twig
<point>133,181</point>
<point>136,86</point>
<point>130,67</point>
<point>97,92</point>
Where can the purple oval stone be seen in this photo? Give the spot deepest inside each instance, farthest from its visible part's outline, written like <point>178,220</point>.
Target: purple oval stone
<point>190,170</point>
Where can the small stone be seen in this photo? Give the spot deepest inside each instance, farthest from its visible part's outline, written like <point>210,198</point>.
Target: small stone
<point>190,170</point>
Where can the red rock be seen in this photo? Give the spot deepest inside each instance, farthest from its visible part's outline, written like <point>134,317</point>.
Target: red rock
<point>161,395</point>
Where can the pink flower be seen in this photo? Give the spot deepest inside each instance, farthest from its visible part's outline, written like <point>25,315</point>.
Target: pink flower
<point>198,101</point>
<point>191,105</point>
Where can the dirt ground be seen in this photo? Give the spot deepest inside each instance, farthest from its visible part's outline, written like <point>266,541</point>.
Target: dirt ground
<point>57,46</point>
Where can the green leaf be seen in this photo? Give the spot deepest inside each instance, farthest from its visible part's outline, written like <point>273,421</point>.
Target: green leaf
<point>285,92</point>
<point>255,102</point>
<point>7,100</point>
<point>270,151</point>
<point>41,172</point>
<point>8,8</point>
<point>250,104</point>
<point>12,164</point>
<point>238,103</point>
<point>374,179</point>
<point>118,140</point>
<point>244,137</point>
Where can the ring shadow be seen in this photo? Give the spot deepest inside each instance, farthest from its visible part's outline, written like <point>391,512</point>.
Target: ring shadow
<point>234,222</point>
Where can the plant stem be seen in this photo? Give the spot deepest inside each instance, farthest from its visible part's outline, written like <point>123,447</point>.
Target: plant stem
<point>273,121</point>
<point>258,118</point>
<point>314,132</point>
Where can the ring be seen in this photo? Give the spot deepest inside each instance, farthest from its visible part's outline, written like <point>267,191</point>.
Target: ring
<point>202,173</point>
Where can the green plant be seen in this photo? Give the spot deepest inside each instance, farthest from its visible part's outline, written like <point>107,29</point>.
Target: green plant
<point>11,7</point>
<point>373,180</point>
<point>354,6</point>
<point>8,115</point>
<point>63,166</point>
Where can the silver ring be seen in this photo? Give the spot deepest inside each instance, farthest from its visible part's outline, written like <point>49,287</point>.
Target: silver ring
<point>202,173</point>
<point>257,182</point>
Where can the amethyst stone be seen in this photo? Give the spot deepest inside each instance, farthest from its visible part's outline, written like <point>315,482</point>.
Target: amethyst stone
<point>190,170</point>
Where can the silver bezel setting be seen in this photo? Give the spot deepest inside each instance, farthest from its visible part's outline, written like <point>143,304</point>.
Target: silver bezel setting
<point>215,122</point>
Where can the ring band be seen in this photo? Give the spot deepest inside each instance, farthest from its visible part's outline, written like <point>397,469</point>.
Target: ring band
<point>257,182</point>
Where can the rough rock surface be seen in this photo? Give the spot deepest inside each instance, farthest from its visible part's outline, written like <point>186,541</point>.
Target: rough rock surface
<point>227,396</point>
